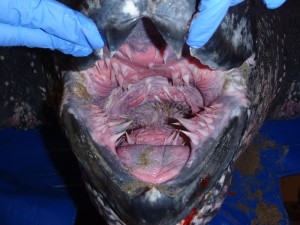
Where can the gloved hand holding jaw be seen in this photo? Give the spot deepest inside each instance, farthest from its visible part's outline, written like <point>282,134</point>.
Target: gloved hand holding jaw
<point>211,14</point>
<point>47,24</point>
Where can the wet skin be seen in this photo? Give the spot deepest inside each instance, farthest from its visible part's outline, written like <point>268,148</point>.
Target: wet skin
<point>157,136</point>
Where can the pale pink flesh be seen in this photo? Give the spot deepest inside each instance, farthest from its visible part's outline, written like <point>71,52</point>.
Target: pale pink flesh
<point>154,164</point>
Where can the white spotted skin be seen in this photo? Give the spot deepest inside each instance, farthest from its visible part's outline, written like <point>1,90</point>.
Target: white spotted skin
<point>212,200</point>
<point>22,91</point>
<point>90,6</point>
<point>104,209</point>
<point>265,83</point>
<point>207,207</point>
<point>130,8</point>
<point>242,36</point>
<point>153,195</point>
<point>290,106</point>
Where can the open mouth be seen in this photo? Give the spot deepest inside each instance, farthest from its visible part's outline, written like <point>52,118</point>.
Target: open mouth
<point>152,111</point>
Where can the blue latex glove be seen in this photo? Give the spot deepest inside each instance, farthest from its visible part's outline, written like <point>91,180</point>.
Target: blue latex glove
<point>47,24</point>
<point>211,14</point>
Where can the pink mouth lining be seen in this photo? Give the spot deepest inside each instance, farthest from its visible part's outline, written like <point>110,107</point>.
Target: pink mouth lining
<point>155,112</point>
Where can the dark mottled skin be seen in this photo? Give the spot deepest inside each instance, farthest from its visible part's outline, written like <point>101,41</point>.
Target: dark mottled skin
<point>274,80</point>
<point>23,88</point>
<point>279,60</point>
<point>27,98</point>
<point>287,103</point>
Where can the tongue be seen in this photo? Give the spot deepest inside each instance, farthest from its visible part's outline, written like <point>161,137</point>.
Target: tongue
<point>154,164</point>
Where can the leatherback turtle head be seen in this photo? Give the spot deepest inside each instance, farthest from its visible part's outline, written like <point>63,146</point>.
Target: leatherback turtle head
<point>156,125</point>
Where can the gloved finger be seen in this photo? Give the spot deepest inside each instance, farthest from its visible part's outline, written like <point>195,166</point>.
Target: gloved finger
<point>90,31</point>
<point>54,18</point>
<point>74,26</point>
<point>207,21</point>
<point>273,4</point>
<point>22,36</point>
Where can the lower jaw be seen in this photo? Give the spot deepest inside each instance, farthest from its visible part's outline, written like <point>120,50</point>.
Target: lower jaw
<point>194,186</point>
<point>201,213</point>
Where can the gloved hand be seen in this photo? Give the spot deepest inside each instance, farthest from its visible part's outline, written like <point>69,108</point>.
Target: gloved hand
<point>47,24</point>
<point>211,15</point>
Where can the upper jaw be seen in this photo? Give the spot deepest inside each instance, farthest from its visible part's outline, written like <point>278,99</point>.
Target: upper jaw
<point>116,19</point>
<point>231,44</point>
